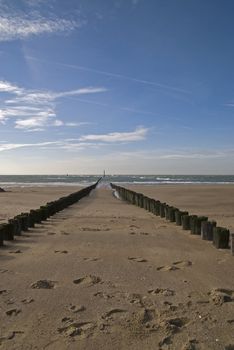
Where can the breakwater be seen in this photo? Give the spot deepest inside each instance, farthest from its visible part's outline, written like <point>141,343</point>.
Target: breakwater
<point>197,225</point>
<point>24,221</point>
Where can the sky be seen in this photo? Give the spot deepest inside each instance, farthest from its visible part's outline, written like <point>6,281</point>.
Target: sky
<point>130,86</point>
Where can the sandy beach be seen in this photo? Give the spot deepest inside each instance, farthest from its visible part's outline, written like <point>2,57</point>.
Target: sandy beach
<point>104,274</point>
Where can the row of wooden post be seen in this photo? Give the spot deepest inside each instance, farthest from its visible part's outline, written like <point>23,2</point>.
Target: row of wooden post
<point>24,221</point>
<point>198,225</point>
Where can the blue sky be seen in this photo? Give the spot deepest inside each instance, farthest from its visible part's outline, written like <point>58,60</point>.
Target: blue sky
<point>132,86</point>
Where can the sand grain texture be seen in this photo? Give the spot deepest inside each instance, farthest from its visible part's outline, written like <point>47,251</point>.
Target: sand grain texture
<point>112,289</point>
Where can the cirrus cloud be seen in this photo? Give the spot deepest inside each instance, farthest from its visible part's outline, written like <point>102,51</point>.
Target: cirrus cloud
<point>17,25</point>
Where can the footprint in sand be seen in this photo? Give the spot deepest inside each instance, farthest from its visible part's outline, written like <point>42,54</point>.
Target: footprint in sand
<point>15,251</point>
<point>165,341</point>
<point>3,291</point>
<point>132,233</point>
<point>13,312</point>
<point>65,233</point>
<point>173,324</point>
<point>135,299</point>
<point>110,314</point>
<point>178,322</point>
<point>61,251</point>
<point>167,268</point>
<point>94,229</point>
<point>103,295</point>
<point>177,265</point>
<point>10,336</point>
<point>166,292</point>
<point>43,284</point>
<point>144,233</point>
<point>88,280</point>
<point>134,226</point>
<point>27,300</point>
<point>137,259</point>
<point>191,345</point>
<point>51,233</point>
<point>144,321</point>
<point>76,308</point>
<point>91,259</point>
<point>221,295</point>
<point>81,329</point>
<point>183,263</point>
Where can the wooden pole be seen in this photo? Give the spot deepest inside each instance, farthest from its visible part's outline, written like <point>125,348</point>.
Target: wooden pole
<point>221,237</point>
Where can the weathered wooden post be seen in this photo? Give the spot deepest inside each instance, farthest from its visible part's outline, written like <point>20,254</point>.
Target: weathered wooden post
<point>162,210</point>
<point>221,237</point>
<point>157,208</point>
<point>36,216</point>
<point>207,230</point>
<point>185,219</point>
<point>178,216</point>
<point>192,223</point>
<point>44,212</point>
<point>195,223</point>
<point>1,239</point>
<point>16,229</point>
<point>166,211</point>
<point>134,199</point>
<point>232,243</point>
<point>145,202</point>
<point>152,206</point>
<point>6,232</point>
<point>140,200</point>
<point>172,211</point>
<point>24,221</point>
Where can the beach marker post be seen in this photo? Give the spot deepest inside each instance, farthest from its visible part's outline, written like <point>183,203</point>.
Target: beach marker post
<point>185,220</point>
<point>221,237</point>
<point>6,232</point>
<point>232,244</point>
<point>1,239</point>
<point>162,210</point>
<point>171,213</point>
<point>195,224</point>
<point>207,228</point>
<point>178,216</point>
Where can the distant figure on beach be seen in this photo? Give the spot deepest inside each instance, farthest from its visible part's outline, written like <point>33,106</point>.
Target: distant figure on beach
<point>104,173</point>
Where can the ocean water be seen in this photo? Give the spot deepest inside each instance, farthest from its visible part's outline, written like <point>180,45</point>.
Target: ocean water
<point>83,180</point>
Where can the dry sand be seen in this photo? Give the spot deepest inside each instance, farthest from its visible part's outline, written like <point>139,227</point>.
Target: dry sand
<point>214,201</point>
<point>104,274</point>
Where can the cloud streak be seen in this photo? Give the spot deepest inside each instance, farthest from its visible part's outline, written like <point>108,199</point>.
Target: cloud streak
<point>136,135</point>
<point>113,75</point>
<point>37,97</point>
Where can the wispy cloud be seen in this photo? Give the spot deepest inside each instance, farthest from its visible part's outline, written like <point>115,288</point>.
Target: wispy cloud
<point>229,104</point>
<point>38,97</point>
<point>13,146</point>
<point>36,108</point>
<point>196,154</point>
<point>66,145</point>
<point>136,135</point>
<point>15,24</point>
<point>6,86</point>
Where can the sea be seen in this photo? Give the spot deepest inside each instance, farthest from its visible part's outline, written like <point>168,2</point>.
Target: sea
<point>85,180</point>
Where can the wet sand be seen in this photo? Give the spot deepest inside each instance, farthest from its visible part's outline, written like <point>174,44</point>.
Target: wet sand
<point>104,274</point>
